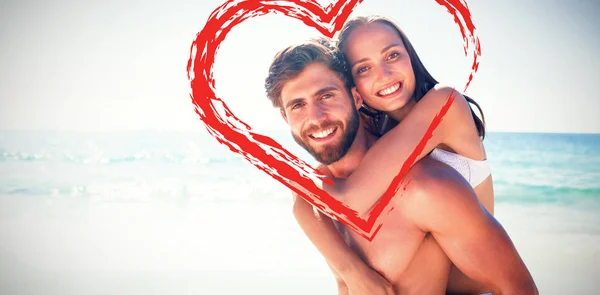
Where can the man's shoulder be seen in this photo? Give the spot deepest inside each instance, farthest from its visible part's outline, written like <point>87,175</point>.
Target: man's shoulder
<point>433,186</point>
<point>429,176</point>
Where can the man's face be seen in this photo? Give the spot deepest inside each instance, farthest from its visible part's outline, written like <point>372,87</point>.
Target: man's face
<point>321,114</point>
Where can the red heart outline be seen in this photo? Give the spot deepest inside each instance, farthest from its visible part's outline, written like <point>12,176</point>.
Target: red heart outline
<point>262,151</point>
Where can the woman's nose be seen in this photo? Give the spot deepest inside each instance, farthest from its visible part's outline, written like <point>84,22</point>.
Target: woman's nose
<point>384,70</point>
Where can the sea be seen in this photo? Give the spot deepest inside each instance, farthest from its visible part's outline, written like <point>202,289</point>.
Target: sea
<point>174,212</point>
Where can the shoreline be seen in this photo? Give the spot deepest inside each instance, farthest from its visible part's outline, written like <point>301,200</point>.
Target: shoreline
<point>204,248</point>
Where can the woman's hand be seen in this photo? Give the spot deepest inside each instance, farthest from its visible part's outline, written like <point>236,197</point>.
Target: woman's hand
<point>358,277</point>
<point>366,281</point>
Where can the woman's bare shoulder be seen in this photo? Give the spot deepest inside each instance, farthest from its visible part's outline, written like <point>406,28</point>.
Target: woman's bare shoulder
<point>458,114</point>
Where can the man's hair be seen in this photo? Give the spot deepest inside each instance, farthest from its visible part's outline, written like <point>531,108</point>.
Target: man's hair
<point>291,61</point>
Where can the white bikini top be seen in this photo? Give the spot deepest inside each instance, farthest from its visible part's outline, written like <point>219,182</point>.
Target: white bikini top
<point>474,171</point>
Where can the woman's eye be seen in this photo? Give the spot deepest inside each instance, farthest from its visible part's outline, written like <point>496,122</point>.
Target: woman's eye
<point>394,55</point>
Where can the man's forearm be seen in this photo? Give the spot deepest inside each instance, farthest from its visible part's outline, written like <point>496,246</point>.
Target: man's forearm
<point>323,234</point>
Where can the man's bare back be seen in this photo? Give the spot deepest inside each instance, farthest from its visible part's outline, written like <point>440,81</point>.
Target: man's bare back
<point>410,259</point>
<point>402,252</point>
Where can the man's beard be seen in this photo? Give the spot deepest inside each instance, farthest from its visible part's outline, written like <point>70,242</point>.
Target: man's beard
<point>331,154</point>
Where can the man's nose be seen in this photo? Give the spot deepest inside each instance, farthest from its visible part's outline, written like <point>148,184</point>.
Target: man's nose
<point>316,114</point>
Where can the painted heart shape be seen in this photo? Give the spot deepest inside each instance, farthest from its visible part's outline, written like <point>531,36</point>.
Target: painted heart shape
<point>262,151</point>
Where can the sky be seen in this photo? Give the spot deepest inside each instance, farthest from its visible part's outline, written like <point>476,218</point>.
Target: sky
<point>121,65</point>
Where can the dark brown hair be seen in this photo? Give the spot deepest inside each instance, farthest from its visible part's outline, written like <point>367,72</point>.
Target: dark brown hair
<point>423,79</point>
<point>291,61</point>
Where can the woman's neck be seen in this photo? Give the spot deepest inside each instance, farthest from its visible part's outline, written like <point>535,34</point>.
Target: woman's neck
<point>401,113</point>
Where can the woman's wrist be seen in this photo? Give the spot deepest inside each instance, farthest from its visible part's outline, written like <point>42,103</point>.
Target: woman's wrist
<point>352,268</point>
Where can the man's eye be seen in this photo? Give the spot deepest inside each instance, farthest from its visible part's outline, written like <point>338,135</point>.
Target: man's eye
<point>296,106</point>
<point>362,70</point>
<point>328,95</point>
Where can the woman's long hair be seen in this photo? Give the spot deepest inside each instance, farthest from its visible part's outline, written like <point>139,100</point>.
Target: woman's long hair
<point>377,121</point>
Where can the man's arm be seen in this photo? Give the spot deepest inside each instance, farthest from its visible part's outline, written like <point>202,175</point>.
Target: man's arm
<point>445,205</point>
<point>358,277</point>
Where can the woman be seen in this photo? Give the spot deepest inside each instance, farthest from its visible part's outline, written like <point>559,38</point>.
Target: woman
<point>398,90</point>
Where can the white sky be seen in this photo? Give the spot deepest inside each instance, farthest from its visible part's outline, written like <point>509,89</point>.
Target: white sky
<point>122,65</point>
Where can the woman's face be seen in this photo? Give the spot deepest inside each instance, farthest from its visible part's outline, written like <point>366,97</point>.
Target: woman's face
<point>380,66</point>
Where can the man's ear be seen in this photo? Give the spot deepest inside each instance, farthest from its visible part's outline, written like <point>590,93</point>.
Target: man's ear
<point>358,101</point>
<point>282,112</point>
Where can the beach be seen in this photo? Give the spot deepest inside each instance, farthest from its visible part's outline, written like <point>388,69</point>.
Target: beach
<point>177,213</point>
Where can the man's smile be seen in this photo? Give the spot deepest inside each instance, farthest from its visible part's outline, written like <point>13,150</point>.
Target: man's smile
<point>324,135</point>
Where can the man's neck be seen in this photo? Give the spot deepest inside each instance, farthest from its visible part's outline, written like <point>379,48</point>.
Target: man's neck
<point>347,164</point>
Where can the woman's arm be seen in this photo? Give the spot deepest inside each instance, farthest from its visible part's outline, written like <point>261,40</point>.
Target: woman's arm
<point>386,157</point>
<point>359,278</point>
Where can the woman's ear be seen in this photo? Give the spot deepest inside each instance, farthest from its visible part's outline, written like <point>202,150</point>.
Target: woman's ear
<point>358,101</point>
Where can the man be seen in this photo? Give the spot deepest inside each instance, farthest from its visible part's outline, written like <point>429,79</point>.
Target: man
<point>437,220</point>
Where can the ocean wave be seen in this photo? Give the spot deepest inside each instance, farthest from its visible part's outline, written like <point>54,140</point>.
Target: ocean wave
<point>584,184</point>
<point>23,156</point>
<point>134,157</point>
<point>531,193</point>
<point>43,190</point>
<point>194,189</point>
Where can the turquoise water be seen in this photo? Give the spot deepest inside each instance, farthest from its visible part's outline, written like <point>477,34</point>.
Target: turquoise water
<point>546,168</point>
<point>527,168</point>
<point>178,213</point>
